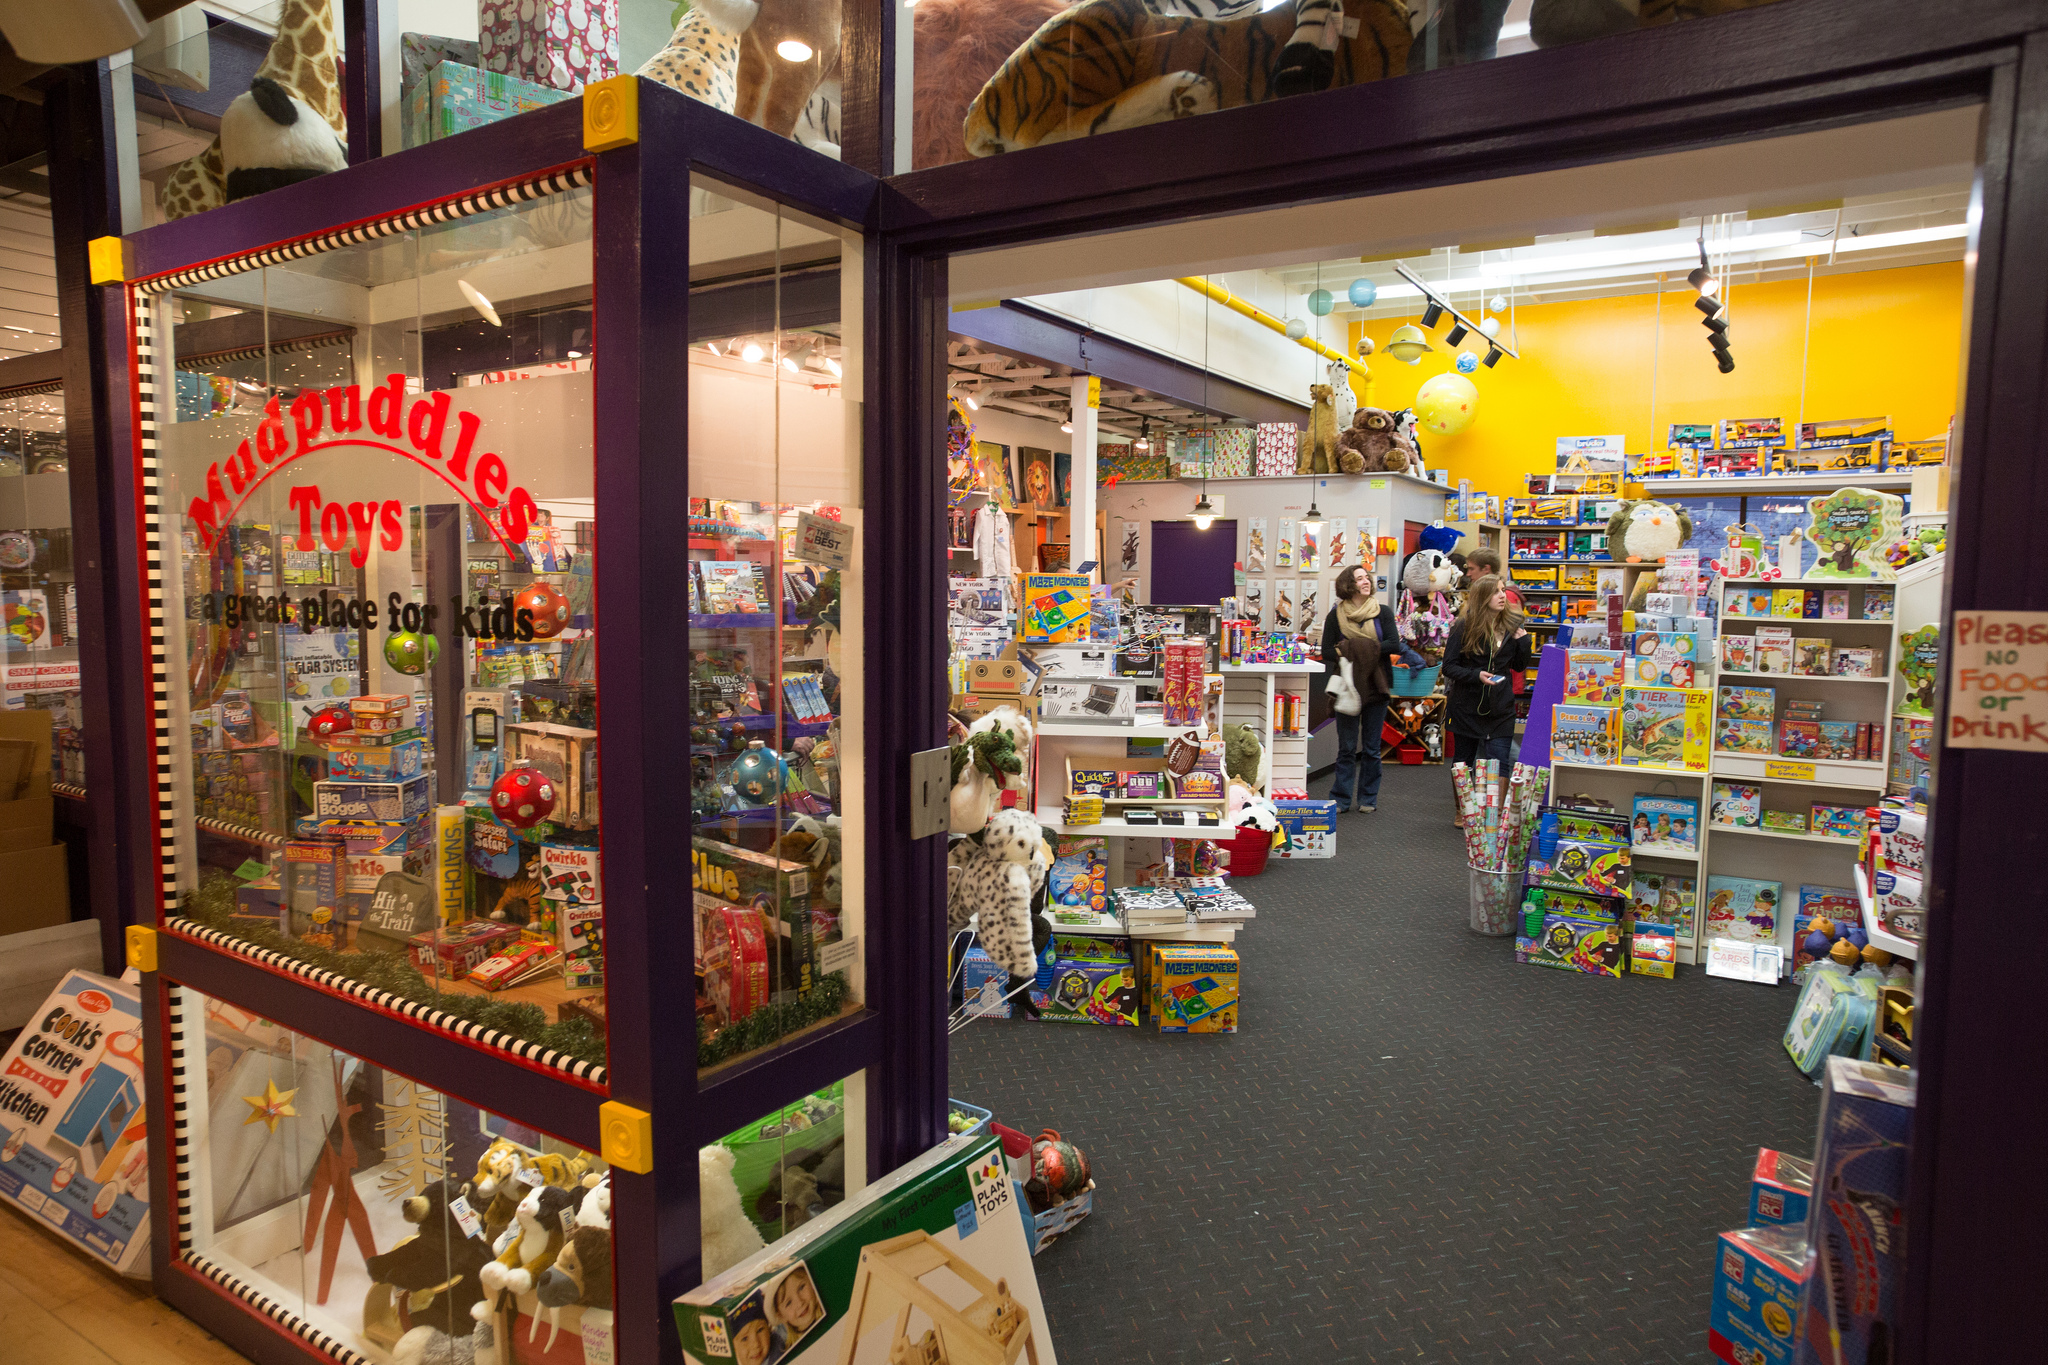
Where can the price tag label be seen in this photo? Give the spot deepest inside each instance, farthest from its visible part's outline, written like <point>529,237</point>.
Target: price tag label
<point>1774,767</point>
<point>529,1175</point>
<point>820,540</point>
<point>840,956</point>
<point>466,1217</point>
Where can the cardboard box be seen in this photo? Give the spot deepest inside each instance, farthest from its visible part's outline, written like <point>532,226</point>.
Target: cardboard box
<point>451,950</point>
<point>403,800</point>
<point>1780,1191</point>
<point>1760,1276</point>
<point>985,986</point>
<point>1857,1224</point>
<point>1090,992</point>
<point>998,675</point>
<point>1311,829</point>
<point>1195,988</point>
<point>568,755</point>
<point>557,44</point>
<point>38,882</point>
<point>368,757</point>
<point>456,97</point>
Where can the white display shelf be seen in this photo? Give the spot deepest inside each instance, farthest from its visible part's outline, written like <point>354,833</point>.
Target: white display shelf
<point>1820,622</point>
<point>1109,926</point>
<point>1762,833</point>
<point>1891,943</point>
<point>1671,854</point>
<point>1632,768</point>
<point>1274,670</point>
<point>1119,829</point>
<point>1802,677</point>
<point>1059,729</point>
<point>1738,485</point>
<point>1851,776</point>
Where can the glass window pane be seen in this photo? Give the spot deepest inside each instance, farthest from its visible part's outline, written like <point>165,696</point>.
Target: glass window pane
<point>38,584</point>
<point>789,1166</point>
<point>775,584</point>
<point>379,494</point>
<point>370,1206</point>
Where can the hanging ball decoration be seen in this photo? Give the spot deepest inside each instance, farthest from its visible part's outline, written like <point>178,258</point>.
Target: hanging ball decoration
<point>1446,404</point>
<point>1363,292</point>
<point>1407,343</point>
<point>1296,329</point>
<point>1489,326</point>
<point>549,605</point>
<point>1320,303</point>
<point>1467,362</point>
<point>411,652</point>
<point>1365,347</point>
<point>523,797</point>
<point>1498,303</point>
<point>330,721</point>
<point>757,774</point>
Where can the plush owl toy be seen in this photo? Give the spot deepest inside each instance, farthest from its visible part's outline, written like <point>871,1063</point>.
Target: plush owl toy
<point>1644,532</point>
<point>1428,572</point>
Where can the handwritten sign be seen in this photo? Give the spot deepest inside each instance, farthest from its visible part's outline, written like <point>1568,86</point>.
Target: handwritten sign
<point>1778,768</point>
<point>1998,681</point>
<point>821,540</point>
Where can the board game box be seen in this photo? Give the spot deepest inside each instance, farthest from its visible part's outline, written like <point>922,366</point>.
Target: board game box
<point>1745,703</point>
<point>1595,947</point>
<point>1653,950</point>
<point>1593,677</point>
<point>1665,824</point>
<point>1665,727</point>
<point>1584,734</point>
<point>1586,866</point>
<point>1743,908</point>
<point>1742,736</point>
<point>1857,1224</point>
<point>1738,804</point>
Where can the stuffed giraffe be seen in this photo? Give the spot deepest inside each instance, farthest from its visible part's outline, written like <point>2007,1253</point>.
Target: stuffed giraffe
<point>305,59</point>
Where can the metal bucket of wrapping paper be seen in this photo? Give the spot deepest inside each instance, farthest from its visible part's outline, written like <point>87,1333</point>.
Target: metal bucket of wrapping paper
<point>1496,900</point>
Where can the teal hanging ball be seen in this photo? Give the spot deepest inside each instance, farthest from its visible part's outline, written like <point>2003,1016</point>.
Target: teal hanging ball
<point>1363,293</point>
<point>1320,303</point>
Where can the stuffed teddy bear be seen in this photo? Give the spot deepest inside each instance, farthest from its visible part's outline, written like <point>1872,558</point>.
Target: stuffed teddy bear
<point>997,879</point>
<point>1244,756</point>
<point>1373,444</point>
<point>438,1257</point>
<point>1318,450</point>
<point>728,1236</point>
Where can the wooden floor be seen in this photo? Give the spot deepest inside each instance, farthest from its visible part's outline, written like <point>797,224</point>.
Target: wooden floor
<point>58,1308</point>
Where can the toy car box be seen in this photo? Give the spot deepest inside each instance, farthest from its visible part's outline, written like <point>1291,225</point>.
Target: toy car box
<point>402,800</point>
<point>1857,1223</point>
<point>1759,1278</point>
<point>1780,1191</point>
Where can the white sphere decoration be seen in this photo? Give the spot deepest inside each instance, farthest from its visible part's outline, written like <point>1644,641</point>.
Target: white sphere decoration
<point>1364,347</point>
<point>1498,303</point>
<point>1296,329</point>
<point>1490,326</point>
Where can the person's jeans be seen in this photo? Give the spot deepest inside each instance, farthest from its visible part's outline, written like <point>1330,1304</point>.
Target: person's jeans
<point>1358,756</point>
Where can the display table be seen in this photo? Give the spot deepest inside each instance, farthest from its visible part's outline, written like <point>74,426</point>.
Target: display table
<point>1248,699</point>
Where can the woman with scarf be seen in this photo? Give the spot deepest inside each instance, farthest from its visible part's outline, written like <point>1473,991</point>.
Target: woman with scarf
<point>1486,648</point>
<point>1359,641</point>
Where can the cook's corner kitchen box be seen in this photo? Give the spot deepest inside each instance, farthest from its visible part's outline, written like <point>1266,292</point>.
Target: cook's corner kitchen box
<point>932,1262</point>
<point>73,1149</point>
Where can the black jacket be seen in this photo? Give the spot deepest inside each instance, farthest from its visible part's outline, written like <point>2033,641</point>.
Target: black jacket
<point>1483,710</point>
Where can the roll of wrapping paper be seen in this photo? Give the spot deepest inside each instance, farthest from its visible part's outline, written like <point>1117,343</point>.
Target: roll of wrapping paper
<point>1463,783</point>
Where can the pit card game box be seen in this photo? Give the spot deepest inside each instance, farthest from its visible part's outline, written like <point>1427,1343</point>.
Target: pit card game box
<point>1760,1278</point>
<point>73,1151</point>
<point>927,1263</point>
<point>1857,1224</point>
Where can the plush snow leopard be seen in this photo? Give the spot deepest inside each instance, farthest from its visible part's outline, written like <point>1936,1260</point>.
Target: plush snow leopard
<point>1000,879</point>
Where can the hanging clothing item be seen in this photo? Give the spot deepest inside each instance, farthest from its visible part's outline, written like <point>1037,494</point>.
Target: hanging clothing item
<point>992,543</point>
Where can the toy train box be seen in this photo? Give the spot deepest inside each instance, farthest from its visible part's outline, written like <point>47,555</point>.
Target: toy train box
<point>1780,1191</point>
<point>401,800</point>
<point>1751,433</point>
<point>1760,1278</point>
<point>1193,988</point>
<point>1858,1221</point>
<point>1594,947</point>
<point>1590,867</point>
<point>448,953</point>
<point>73,1154</point>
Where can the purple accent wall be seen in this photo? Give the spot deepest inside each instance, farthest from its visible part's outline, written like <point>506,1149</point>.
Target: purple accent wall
<point>1192,567</point>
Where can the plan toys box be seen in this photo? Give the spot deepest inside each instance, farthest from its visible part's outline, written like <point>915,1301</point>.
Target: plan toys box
<point>1759,1281</point>
<point>1780,1191</point>
<point>403,800</point>
<point>1857,1225</point>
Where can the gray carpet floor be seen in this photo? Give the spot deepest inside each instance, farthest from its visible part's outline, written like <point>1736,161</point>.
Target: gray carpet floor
<point>1414,1149</point>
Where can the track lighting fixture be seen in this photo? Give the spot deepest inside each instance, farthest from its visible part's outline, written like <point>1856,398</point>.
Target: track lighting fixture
<point>1709,303</point>
<point>1433,314</point>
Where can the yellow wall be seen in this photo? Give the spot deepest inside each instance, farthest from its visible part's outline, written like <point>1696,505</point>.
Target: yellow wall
<point>1884,341</point>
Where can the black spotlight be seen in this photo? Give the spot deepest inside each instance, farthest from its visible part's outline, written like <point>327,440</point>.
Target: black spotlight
<point>1493,355</point>
<point>1457,334</point>
<point>1433,314</point>
<point>1727,364</point>
<point>1707,305</point>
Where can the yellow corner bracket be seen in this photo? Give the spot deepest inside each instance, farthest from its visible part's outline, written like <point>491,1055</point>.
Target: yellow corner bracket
<point>611,113</point>
<point>142,947</point>
<point>107,260</point>
<point>626,1135</point>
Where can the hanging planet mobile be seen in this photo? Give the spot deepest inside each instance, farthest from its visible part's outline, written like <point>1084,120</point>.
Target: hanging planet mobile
<point>1320,303</point>
<point>1363,292</point>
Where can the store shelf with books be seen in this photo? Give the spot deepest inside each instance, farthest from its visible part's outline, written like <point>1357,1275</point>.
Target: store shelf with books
<point>1805,772</point>
<point>1746,676</point>
<point>1736,485</point>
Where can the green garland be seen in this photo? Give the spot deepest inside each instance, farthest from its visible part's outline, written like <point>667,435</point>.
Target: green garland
<point>771,1023</point>
<point>213,904</point>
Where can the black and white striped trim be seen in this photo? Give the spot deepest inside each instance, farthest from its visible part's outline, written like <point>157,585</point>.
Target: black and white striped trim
<point>34,390</point>
<point>502,196</point>
<point>412,1010</point>
<point>259,1298</point>
<point>234,830</point>
<point>153,592</point>
<point>214,359</point>
<point>186,1034</point>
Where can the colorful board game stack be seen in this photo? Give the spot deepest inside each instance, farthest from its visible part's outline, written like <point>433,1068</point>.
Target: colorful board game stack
<point>1577,886</point>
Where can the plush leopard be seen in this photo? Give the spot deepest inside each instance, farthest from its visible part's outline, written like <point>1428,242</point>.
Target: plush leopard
<point>998,879</point>
<point>703,58</point>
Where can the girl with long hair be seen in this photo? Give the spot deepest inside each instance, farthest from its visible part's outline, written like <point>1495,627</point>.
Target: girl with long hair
<point>1487,645</point>
<point>1360,642</point>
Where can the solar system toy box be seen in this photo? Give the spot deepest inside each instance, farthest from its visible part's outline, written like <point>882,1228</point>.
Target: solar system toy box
<point>1593,946</point>
<point>1857,1225</point>
<point>1759,1278</point>
<point>1594,867</point>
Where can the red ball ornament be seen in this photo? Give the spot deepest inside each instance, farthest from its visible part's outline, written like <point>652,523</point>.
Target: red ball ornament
<point>523,797</point>
<point>330,721</point>
<point>549,605</point>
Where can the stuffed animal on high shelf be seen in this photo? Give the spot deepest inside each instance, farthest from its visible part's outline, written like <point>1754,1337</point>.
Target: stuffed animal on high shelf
<point>996,880</point>
<point>1643,532</point>
<point>1372,443</point>
<point>725,54</point>
<point>1555,22</point>
<point>535,1243</point>
<point>437,1266</point>
<point>1342,399</point>
<point>1144,68</point>
<point>726,1234</point>
<point>1318,451</point>
<point>269,137</point>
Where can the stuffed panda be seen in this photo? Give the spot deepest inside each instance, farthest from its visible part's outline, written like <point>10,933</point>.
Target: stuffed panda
<point>1429,572</point>
<point>1643,532</point>
<point>269,137</point>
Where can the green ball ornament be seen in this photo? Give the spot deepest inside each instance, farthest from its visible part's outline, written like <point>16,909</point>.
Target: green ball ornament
<point>1320,303</point>
<point>410,652</point>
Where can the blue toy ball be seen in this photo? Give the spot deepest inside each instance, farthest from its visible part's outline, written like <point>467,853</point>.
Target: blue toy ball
<point>1817,945</point>
<point>1320,303</point>
<point>1855,934</point>
<point>1363,292</point>
<point>1467,362</point>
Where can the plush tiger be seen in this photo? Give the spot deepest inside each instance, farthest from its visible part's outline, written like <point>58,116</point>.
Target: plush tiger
<point>1106,65</point>
<point>1306,62</point>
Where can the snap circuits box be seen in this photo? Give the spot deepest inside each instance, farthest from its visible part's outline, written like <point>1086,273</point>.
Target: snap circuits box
<point>1194,987</point>
<point>1780,1191</point>
<point>1759,1277</point>
<point>1857,1224</point>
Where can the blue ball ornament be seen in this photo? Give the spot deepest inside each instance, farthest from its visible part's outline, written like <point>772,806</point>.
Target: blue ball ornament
<point>1467,362</point>
<point>1363,292</point>
<point>1817,945</point>
<point>1320,303</point>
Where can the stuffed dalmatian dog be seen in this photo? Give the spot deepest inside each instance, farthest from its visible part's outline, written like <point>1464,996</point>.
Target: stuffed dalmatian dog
<point>997,880</point>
